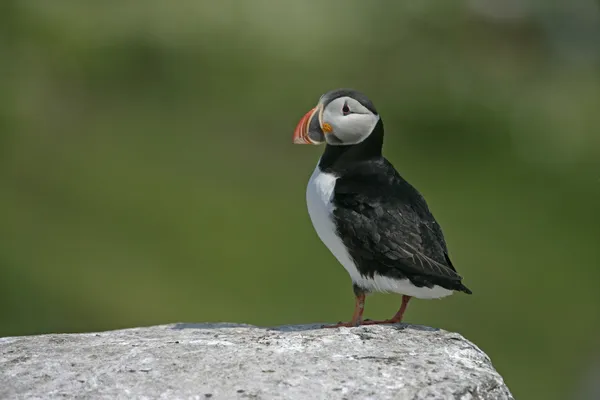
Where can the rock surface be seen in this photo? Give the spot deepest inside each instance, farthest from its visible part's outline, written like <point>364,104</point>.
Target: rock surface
<point>230,361</point>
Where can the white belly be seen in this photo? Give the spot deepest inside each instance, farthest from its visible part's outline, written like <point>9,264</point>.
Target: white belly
<point>319,194</point>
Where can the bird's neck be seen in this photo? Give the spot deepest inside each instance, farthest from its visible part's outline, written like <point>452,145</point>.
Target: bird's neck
<point>340,158</point>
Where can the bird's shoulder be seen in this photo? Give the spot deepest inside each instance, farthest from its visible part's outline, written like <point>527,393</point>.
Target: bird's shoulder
<point>376,183</point>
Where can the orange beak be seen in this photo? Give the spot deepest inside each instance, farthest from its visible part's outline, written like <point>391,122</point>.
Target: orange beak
<point>308,130</point>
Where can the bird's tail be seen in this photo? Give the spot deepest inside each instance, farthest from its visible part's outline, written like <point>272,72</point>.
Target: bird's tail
<point>463,288</point>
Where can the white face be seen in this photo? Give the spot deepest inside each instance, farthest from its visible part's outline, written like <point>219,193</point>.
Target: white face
<point>350,121</point>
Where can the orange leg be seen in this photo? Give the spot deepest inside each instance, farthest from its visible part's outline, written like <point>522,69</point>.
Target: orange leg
<point>359,307</point>
<point>396,318</point>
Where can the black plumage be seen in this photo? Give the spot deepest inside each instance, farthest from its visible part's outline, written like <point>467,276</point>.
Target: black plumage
<point>376,224</point>
<point>383,221</point>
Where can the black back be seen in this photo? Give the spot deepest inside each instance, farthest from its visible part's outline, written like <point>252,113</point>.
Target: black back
<point>383,221</point>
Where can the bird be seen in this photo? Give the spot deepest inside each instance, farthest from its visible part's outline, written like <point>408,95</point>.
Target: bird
<point>376,224</point>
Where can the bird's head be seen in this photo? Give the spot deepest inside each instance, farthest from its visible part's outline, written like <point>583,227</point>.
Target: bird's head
<point>342,117</point>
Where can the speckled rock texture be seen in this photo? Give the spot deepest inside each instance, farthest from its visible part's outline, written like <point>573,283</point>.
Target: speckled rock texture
<point>231,361</point>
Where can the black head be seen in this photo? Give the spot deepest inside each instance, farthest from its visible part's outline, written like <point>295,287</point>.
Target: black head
<point>344,92</point>
<point>342,117</point>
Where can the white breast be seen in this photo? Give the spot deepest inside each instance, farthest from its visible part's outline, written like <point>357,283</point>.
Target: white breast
<point>319,194</point>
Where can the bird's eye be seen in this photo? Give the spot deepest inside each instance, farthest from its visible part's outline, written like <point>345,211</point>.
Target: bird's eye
<point>346,109</point>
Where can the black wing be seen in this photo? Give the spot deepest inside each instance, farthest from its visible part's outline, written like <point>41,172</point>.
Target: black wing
<point>388,229</point>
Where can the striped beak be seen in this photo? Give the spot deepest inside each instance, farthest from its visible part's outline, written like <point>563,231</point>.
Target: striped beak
<point>308,130</point>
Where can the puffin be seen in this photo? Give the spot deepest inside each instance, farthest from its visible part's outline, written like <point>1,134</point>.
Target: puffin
<point>374,222</point>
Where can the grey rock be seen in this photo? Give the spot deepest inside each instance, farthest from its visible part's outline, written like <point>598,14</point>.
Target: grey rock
<point>232,361</point>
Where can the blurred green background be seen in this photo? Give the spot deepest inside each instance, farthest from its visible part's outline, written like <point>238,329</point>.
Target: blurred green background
<point>147,173</point>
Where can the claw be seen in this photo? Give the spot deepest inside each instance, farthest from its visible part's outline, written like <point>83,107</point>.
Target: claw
<point>380,322</point>
<point>343,324</point>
